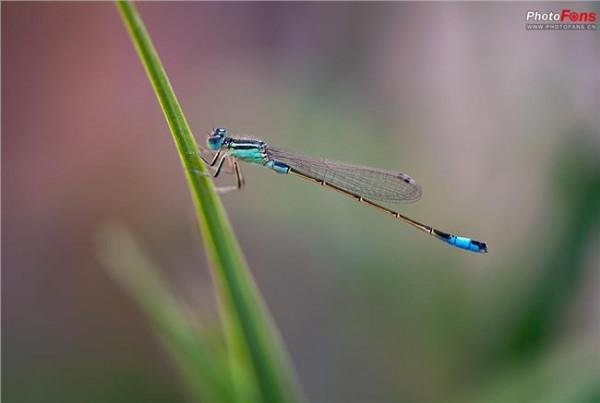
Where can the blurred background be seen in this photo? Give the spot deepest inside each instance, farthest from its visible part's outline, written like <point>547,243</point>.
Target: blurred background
<point>499,125</point>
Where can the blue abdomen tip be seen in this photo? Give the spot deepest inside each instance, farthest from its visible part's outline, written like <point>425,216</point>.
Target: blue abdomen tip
<point>462,242</point>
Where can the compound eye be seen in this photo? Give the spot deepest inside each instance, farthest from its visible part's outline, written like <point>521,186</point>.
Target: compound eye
<point>219,132</point>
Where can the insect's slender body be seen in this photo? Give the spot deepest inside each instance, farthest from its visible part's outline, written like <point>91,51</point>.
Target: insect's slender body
<point>361,183</point>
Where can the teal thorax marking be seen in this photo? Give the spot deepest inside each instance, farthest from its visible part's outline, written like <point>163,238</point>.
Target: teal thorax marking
<point>252,151</point>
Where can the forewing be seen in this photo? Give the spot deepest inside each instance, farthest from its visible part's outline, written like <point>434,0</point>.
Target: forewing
<point>370,183</point>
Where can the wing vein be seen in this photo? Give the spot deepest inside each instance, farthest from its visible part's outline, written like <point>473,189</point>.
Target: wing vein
<point>367,182</point>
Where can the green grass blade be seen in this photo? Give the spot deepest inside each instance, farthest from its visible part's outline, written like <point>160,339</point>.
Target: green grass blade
<point>204,372</point>
<point>252,337</point>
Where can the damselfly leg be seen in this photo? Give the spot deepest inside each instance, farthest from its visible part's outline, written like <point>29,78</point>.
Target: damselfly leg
<point>239,177</point>
<point>219,159</point>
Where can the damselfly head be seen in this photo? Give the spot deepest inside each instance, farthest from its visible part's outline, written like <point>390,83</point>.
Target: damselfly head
<point>215,140</point>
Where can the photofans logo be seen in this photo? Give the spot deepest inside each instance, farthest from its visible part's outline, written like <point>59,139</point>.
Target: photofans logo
<point>563,20</point>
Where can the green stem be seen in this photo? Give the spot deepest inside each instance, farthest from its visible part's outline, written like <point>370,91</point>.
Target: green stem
<point>251,335</point>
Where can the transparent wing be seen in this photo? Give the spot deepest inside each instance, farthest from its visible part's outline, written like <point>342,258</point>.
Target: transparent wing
<point>370,183</point>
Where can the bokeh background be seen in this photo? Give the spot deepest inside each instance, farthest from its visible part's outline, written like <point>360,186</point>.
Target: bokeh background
<point>499,125</point>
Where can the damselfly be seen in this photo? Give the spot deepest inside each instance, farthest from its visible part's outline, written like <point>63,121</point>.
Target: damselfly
<point>364,184</point>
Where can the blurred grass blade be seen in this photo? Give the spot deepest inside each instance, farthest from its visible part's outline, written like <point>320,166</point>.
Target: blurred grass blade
<point>203,371</point>
<point>252,338</point>
<point>569,374</point>
<point>540,316</point>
